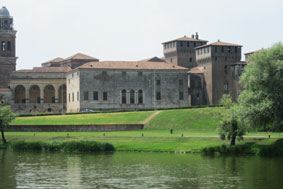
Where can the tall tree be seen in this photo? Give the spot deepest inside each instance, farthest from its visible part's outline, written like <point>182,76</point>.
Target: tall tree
<point>261,100</point>
<point>6,116</point>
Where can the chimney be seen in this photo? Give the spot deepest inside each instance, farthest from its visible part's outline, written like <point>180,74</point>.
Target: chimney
<point>218,40</point>
<point>193,36</point>
<point>197,35</point>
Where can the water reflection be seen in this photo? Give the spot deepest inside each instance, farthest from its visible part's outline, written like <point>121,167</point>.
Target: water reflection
<point>136,170</point>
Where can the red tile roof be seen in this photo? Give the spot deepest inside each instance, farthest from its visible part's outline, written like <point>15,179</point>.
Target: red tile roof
<point>254,52</point>
<point>185,38</point>
<point>80,56</point>
<point>47,69</point>
<point>196,70</point>
<point>132,65</point>
<point>219,43</point>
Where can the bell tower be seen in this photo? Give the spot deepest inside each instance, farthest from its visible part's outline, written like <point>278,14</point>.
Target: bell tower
<point>7,47</point>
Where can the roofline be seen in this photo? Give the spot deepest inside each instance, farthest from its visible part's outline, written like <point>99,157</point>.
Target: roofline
<point>196,40</point>
<point>211,44</point>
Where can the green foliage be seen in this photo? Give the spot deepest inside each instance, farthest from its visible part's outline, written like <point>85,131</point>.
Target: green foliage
<point>226,101</point>
<point>250,148</point>
<point>6,116</point>
<point>71,146</point>
<point>262,97</point>
<point>232,125</point>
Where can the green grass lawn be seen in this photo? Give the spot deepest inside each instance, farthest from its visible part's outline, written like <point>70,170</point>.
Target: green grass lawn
<point>197,125</point>
<point>98,118</point>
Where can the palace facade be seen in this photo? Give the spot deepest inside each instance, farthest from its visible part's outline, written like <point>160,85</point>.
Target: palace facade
<point>192,72</point>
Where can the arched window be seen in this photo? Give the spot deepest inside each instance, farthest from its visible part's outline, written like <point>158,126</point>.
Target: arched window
<point>20,94</point>
<point>49,94</point>
<point>140,97</point>
<point>124,96</point>
<point>34,94</point>
<point>132,97</point>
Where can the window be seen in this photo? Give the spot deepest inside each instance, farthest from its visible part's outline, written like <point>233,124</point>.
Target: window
<point>222,49</point>
<point>86,95</point>
<point>215,58</point>
<point>3,46</point>
<point>191,59</point>
<point>208,49</point>
<point>78,96</point>
<point>215,49</point>
<point>73,97</point>
<point>103,75</point>
<point>188,44</point>
<point>225,87</point>
<point>95,95</point>
<point>69,97</point>
<point>9,46</point>
<point>229,49</point>
<point>236,49</point>
<point>72,74</point>
<point>124,74</point>
<point>181,82</point>
<point>158,83</point>
<point>181,95</point>
<point>158,95</point>
<point>140,74</point>
<point>195,44</point>
<point>69,81</point>
<point>181,43</point>
<point>104,96</point>
<point>171,60</point>
<point>124,96</point>
<point>140,97</point>
<point>132,97</point>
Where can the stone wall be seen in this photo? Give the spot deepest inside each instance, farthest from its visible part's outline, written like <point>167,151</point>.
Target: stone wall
<point>113,82</point>
<point>73,128</point>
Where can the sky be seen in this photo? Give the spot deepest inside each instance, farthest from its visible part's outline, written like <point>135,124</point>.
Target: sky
<point>135,29</point>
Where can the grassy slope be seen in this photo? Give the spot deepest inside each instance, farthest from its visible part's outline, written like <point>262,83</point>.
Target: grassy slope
<point>199,127</point>
<point>99,118</point>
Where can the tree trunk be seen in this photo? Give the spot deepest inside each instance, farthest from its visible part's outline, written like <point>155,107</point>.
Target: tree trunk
<point>234,132</point>
<point>3,136</point>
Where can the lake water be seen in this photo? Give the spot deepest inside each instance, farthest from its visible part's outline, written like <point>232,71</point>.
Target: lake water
<point>137,170</point>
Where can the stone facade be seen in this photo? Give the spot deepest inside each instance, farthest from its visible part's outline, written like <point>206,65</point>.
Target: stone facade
<point>181,51</point>
<point>126,85</point>
<point>219,63</point>
<point>39,90</point>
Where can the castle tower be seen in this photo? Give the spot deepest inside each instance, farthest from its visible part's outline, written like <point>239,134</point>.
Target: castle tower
<point>181,51</point>
<point>7,47</point>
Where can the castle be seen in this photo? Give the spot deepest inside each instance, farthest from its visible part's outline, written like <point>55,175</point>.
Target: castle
<point>192,72</point>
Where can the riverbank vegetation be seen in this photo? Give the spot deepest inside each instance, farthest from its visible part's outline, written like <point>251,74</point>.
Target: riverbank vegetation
<point>68,146</point>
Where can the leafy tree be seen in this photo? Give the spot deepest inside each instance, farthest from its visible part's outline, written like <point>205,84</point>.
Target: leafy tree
<point>226,101</point>
<point>261,100</point>
<point>6,116</point>
<point>231,126</point>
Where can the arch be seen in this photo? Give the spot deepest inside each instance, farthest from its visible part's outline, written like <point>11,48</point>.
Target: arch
<point>34,94</point>
<point>140,97</point>
<point>132,97</point>
<point>62,93</point>
<point>124,96</point>
<point>49,94</point>
<point>20,94</point>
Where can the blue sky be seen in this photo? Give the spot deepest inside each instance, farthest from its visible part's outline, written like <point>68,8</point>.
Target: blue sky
<point>135,29</point>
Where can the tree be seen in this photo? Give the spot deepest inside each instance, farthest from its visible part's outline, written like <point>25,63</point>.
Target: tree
<point>261,100</point>
<point>231,126</point>
<point>226,101</point>
<point>6,116</point>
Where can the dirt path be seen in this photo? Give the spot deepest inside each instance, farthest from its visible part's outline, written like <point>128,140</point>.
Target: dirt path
<point>150,117</point>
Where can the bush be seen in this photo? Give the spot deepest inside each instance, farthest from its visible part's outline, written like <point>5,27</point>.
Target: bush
<point>73,146</point>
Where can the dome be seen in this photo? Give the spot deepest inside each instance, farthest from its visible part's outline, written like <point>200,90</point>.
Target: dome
<point>4,12</point>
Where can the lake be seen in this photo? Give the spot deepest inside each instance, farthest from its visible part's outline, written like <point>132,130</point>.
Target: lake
<point>137,170</point>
